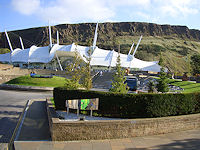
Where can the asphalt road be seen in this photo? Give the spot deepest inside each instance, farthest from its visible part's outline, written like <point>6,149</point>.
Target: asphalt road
<point>11,106</point>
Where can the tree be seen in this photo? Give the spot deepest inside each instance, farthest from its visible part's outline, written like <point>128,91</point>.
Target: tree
<point>118,84</point>
<point>195,64</point>
<point>4,50</point>
<point>151,87</point>
<point>75,72</point>
<point>161,61</point>
<point>162,85</point>
<point>87,79</point>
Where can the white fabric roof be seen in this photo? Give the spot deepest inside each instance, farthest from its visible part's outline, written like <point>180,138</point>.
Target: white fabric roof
<point>19,55</point>
<point>39,54</point>
<point>100,57</point>
<point>5,57</point>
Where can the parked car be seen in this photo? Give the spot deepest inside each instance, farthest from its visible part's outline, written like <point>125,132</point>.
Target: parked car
<point>132,83</point>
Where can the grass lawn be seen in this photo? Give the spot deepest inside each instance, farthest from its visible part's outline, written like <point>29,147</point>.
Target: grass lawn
<point>188,87</point>
<point>45,82</point>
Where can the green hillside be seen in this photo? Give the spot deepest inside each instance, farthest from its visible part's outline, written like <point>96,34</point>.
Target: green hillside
<point>176,43</point>
<point>176,52</point>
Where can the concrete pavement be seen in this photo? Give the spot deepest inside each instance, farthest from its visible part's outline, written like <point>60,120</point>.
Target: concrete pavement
<point>185,140</point>
<point>35,126</point>
<point>11,106</point>
<point>12,103</point>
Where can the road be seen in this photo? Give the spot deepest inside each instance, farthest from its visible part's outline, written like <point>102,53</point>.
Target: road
<point>11,106</point>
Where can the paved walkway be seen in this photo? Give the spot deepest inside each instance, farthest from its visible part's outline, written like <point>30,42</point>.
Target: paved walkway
<point>35,126</point>
<point>35,135</point>
<point>185,140</point>
<point>11,105</point>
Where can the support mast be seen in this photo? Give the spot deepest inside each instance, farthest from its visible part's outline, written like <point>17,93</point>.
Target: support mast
<point>21,43</point>
<point>95,37</point>
<point>137,46</point>
<point>50,40</point>
<point>130,49</point>
<point>59,63</point>
<point>9,41</point>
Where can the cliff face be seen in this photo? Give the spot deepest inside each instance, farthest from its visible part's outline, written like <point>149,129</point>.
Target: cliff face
<point>177,43</point>
<point>81,33</point>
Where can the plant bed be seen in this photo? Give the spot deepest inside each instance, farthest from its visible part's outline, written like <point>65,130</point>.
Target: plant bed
<point>62,130</point>
<point>133,105</point>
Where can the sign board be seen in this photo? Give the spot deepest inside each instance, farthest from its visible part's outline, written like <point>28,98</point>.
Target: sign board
<point>83,104</point>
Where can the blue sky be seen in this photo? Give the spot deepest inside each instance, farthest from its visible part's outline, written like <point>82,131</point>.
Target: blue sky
<point>22,14</point>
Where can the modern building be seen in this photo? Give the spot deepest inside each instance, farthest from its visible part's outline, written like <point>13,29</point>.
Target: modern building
<point>56,56</point>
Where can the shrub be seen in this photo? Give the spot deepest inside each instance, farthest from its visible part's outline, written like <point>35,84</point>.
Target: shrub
<point>118,84</point>
<point>195,64</point>
<point>133,105</point>
<point>71,85</point>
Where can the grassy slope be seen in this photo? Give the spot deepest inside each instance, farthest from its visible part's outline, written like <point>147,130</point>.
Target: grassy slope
<point>172,49</point>
<point>188,87</point>
<point>45,82</point>
<point>175,50</point>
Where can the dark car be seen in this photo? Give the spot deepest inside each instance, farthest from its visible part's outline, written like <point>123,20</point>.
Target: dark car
<point>131,83</point>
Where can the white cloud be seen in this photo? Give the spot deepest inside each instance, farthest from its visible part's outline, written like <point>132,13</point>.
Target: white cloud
<point>143,15</point>
<point>75,10</point>
<point>178,8</point>
<point>26,7</point>
<point>129,2</point>
<point>72,11</point>
<point>62,11</point>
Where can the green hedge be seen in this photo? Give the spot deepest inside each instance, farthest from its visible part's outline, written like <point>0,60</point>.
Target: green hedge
<point>133,105</point>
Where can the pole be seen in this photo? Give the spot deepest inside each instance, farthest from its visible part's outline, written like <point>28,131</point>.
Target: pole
<point>137,46</point>
<point>50,36</point>
<point>78,112</point>
<point>130,49</point>
<point>59,63</point>
<point>9,41</point>
<point>21,43</point>
<point>91,113</point>
<point>95,37</point>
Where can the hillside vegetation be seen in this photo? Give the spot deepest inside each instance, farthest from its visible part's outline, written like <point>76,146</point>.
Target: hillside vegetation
<point>176,43</point>
<point>4,50</point>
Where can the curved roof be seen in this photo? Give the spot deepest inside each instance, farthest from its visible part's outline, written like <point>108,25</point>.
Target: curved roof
<point>99,57</point>
<point>19,55</point>
<point>39,54</point>
<point>5,57</point>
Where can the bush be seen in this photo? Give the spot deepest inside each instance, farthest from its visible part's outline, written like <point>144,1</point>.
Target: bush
<point>4,50</point>
<point>133,105</point>
<point>71,85</point>
<point>152,48</point>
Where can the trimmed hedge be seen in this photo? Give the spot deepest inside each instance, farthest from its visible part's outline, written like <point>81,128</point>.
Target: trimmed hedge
<point>133,105</point>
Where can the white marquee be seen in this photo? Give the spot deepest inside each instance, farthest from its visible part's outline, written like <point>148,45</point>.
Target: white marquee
<point>99,57</point>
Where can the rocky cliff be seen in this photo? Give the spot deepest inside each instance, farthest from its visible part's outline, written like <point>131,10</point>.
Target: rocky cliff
<point>177,43</point>
<point>82,33</point>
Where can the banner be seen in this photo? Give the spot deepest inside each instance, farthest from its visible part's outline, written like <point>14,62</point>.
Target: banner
<point>83,104</point>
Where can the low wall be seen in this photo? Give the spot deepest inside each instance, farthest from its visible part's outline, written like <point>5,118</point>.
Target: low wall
<point>25,88</point>
<point>113,129</point>
<point>5,78</point>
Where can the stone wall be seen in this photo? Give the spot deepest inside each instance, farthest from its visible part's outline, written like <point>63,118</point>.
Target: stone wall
<point>127,128</point>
